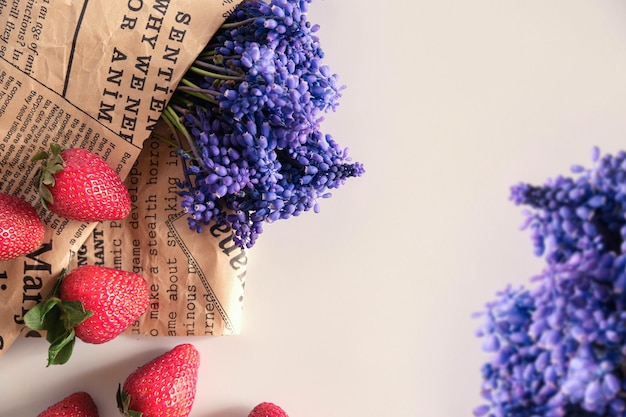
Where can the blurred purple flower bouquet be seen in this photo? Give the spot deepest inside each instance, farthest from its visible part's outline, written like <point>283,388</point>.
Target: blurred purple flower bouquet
<point>558,348</point>
<point>249,110</point>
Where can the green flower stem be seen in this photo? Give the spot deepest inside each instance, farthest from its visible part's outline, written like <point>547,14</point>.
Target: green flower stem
<point>213,67</point>
<point>173,144</point>
<point>208,54</point>
<point>246,21</point>
<point>200,90</point>
<point>196,91</point>
<point>173,120</point>
<point>215,75</point>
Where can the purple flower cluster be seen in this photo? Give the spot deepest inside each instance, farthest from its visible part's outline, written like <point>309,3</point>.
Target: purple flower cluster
<point>558,348</point>
<point>568,215</point>
<point>251,107</point>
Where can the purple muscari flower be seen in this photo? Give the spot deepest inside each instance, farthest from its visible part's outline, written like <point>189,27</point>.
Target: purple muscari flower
<point>273,51</point>
<point>252,182</point>
<point>557,348</point>
<point>572,214</point>
<point>252,105</point>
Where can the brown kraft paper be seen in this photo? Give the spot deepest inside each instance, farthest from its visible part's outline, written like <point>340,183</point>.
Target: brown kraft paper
<point>92,74</point>
<point>196,281</point>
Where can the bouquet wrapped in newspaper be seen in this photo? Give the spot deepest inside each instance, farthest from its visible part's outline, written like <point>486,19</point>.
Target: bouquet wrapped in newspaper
<point>210,113</point>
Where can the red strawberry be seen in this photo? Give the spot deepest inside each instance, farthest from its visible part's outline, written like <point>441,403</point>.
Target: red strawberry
<point>267,410</point>
<point>163,387</point>
<point>79,404</point>
<point>79,185</point>
<point>93,303</point>
<point>21,230</point>
<point>117,298</point>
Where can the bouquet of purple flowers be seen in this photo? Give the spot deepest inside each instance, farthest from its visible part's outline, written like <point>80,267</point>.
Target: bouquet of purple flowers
<point>248,112</point>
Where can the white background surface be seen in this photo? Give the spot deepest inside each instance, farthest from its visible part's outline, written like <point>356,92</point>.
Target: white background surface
<point>364,309</point>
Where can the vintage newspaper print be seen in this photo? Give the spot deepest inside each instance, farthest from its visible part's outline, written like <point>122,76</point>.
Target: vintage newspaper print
<point>31,117</point>
<point>89,74</point>
<point>196,280</point>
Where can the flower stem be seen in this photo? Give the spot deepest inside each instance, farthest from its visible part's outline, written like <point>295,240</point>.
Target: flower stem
<point>196,91</point>
<point>214,67</point>
<point>173,120</point>
<point>245,22</point>
<point>215,75</point>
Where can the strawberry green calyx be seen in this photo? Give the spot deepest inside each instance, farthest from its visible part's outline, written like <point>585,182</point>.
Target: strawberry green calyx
<point>123,403</point>
<point>58,318</point>
<point>52,163</point>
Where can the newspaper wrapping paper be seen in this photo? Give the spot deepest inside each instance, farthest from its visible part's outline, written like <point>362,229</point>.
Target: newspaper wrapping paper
<point>87,74</point>
<point>196,283</point>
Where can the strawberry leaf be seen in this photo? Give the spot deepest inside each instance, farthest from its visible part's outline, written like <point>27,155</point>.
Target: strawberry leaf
<point>61,349</point>
<point>58,318</point>
<point>51,163</point>
<point>75,313</point>
<point>47,178</point>
<point>123,403</point>
<point>46,196</point>
<point>55,148</point>
<point>35,318</point>
<point>40,156</point>
<point>53,324</point>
